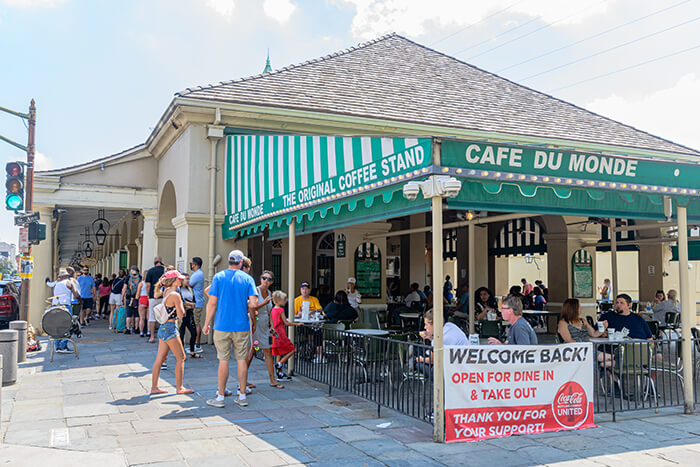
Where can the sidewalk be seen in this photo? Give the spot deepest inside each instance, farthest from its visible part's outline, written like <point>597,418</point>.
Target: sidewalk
<point>96,410</point>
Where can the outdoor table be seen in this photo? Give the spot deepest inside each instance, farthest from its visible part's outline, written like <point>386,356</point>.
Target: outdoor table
<point>543,314</point>
<point>309,321</point>
<point>410,315</point>
<point>369,332</point>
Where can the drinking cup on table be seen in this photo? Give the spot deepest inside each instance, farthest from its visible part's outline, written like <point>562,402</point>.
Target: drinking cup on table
<point>601,326</point>
<point>611,334</point>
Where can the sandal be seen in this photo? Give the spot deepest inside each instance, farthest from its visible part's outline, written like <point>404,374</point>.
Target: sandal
<point>250,385</point>
<point>278,386</point>
<point>195,355</point>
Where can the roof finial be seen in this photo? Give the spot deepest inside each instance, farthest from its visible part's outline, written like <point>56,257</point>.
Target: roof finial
<point>268,68</point>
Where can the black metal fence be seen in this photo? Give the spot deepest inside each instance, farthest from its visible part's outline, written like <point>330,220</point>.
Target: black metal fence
<point>640,375</point>
<point>392,373</point>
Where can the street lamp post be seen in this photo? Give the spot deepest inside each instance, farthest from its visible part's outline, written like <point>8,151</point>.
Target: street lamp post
<point>436,187</point>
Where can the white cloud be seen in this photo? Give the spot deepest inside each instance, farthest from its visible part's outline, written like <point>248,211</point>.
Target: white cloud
<point>224,7</point>
<point>42,161</point>
<point>34,3</point>
<point>670,113</point>
<point>279,10</point>
<point>409,17</point>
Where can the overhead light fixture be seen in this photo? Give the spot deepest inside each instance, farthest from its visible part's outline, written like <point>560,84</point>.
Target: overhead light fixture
<point>101,227</point>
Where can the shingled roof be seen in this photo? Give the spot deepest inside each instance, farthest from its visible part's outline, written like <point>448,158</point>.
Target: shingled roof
<point>393,78</point>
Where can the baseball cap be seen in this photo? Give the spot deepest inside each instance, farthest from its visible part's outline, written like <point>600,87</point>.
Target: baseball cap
<point>174,274</point>
<point>236,256</point>
<point>305,284</point>
<point>351,280</point>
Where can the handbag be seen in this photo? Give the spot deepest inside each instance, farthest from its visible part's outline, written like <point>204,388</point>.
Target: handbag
<point>134,303</point>
<point>160,312</point>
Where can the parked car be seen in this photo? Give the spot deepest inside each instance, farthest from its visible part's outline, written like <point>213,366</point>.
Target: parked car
<point>9,303</point>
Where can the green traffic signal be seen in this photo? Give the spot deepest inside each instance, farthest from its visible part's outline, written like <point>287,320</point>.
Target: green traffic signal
<point>13,202</point>
<point>14,185</point>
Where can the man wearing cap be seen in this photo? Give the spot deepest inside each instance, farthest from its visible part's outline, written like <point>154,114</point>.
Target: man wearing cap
<point>232,297</point>
<point>314,304</point>
<point>354,297</point>
<point>63,292</point>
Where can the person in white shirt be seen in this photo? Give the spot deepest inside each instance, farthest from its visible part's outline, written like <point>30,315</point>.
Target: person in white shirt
<point>354,296</point>
<point>412,297</point>
<point>64,289</point>
<point>451,335</point>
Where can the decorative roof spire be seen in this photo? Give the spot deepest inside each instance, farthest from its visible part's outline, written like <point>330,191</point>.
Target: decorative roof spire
<point>268,68</point>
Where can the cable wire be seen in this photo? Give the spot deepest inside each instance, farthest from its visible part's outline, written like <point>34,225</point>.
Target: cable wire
<point>478,22</point>
<point>548,25</point>
<point>637,65</point>
<point>498,35</point>
<point>558,49</point>
<point>578,60</point>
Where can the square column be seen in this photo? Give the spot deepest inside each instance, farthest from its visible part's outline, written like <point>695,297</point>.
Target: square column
<point>43,268</point>
<point>191,239</point>
<point>149,241</point>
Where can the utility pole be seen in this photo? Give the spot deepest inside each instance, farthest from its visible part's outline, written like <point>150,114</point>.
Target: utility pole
<point>28,203</point>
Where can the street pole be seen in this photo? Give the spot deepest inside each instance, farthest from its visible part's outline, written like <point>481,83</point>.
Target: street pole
<point>292,246</point>
<point>28,201</point>
<point>687,296</point>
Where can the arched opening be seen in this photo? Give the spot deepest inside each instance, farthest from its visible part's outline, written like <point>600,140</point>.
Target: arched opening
<point>167,210</point>
<point>325,263</point>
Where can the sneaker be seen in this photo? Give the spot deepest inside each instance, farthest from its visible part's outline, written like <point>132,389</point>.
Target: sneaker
<point>63,350</point>
<point>238,388</point>
<point>127,332</point>
<point>198,349</point>
<point>164,366</point>
<point>241,402</point>
<point>283,377</point>
<point>217,403</point>
<point>227,392</point>
<point>110,328</point>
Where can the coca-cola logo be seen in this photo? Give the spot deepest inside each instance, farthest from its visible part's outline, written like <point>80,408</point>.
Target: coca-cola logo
<point>575,398</point>
<point>570,405</point>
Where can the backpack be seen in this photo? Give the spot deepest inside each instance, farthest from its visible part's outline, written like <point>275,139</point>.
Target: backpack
<point>132,286</point>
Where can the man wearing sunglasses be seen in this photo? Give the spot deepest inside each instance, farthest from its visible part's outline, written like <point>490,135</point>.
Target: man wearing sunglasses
<point>520,332</point>
<point>197,284</point>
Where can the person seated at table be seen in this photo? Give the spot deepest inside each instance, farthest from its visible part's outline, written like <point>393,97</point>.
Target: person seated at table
<point>520,332</point>
<point>354,296</point>
<point>664,306</point>
<point>411,298</point>
<point>623,317</point>
<point>305,296</point>
<point>539,300</point>
<point>339,309</point>
<point>462,310</point>
<point>428,292</point>
<point>543,288</point>
<point>484,301</point>
<point>572,328</point>
<point>659,297</point>
<point>515,291</point>
<point>451,335</point>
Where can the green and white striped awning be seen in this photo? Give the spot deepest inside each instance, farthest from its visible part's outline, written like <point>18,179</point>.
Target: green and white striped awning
<point>272,178</point>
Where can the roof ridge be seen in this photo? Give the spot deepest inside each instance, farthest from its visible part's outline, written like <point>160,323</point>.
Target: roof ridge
<point>339,53</point>
<point>696,151</point>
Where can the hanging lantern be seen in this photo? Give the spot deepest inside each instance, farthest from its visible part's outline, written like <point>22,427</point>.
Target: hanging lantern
<point>101,227</point>
<point>87,247</point>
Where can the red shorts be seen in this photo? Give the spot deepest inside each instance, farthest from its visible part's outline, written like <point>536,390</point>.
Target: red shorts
<point>143,300</point>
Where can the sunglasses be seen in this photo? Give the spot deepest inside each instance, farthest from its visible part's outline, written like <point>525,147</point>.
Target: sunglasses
<point>268,279</point>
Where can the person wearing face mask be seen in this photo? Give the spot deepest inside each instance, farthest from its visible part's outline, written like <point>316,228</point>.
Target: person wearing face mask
<point>520,332</point>
<point>130,299</point>
<point>152,278</point>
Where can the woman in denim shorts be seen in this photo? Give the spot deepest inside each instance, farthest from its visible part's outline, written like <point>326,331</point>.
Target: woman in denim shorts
<point>169,338</point>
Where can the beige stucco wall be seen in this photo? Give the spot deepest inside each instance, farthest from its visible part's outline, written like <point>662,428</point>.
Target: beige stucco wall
<point>139,173</point>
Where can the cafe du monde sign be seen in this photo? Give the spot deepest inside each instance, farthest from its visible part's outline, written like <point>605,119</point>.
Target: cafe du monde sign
<point>612,170</point>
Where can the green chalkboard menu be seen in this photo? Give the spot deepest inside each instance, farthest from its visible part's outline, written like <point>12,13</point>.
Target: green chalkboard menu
<point>368,270</point>
<point>582,271</point>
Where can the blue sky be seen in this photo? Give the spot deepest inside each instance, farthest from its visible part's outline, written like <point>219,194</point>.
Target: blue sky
<point>102,72</point>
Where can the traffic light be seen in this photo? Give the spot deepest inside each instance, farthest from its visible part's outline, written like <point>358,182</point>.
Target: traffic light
<point>14,185</point>
<point>37,232</point>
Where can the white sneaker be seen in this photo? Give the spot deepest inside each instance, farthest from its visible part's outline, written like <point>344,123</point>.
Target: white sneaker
<point>247,390</point>
<point>198,349</point>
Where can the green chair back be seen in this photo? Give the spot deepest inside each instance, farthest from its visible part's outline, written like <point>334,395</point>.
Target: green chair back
<point>672,318</point>
<point>490,328</point>
<point>361,326</point>
<point>336,326</point>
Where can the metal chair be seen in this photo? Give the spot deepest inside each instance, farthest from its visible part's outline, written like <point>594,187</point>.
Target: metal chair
<point>636,362</point>
<point>59,323</point>
<point>489,329</point>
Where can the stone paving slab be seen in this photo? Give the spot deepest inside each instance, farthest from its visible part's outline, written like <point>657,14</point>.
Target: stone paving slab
<point>99,406</point>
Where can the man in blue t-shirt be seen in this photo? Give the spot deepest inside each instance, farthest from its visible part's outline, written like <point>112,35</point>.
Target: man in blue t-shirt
<point>87,295</point>
<point>520,332</point>
<point>232,296</point>
<point>197,284</point>
<point>623,317</point>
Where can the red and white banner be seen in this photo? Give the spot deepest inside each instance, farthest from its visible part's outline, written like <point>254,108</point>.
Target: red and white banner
<point>502,390</point>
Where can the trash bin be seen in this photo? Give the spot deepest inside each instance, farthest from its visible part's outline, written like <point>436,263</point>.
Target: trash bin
<point>8,350</point>
<point>21,328</point>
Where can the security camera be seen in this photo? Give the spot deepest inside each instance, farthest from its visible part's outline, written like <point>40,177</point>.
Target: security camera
<point>450,187</point>
<point>411,190</point>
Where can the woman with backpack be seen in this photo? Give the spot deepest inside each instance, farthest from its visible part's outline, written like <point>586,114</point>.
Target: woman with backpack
<point>115,297</point>
<point>131,299</point>
<point>168,336</point>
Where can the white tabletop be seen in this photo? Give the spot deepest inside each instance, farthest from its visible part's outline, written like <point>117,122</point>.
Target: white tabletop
<point>410,315</point>
<point>539,312</point>
<point>309,321</point>
<point>604,340</point>
<point>369,332</point>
